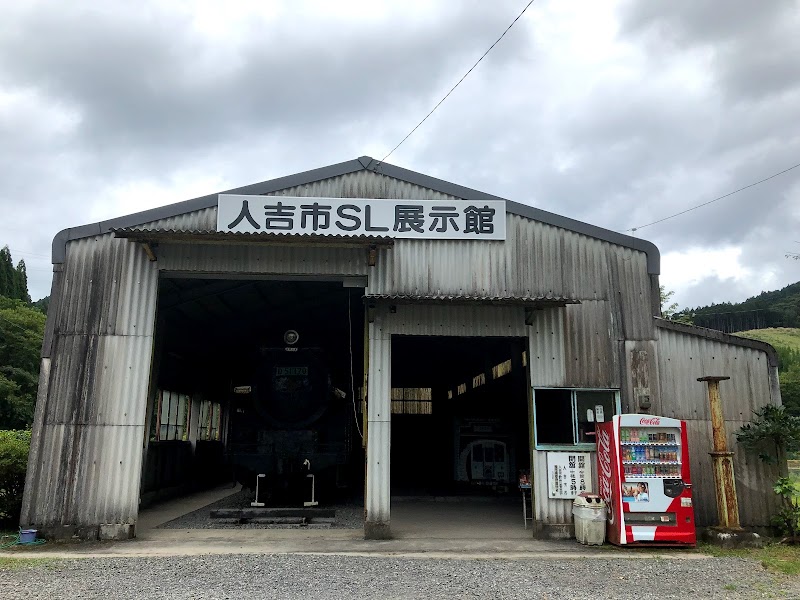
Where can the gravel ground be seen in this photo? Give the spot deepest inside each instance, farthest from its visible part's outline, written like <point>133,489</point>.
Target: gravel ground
<point>289,577</point>
<point>348,516</point>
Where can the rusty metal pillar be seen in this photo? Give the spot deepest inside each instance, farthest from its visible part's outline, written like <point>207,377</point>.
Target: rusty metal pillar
<point>727,502</point>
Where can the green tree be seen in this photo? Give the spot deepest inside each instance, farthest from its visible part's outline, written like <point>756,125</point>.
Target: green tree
<point>7,273</point>
<point>43,304</point>
<point>670,311</point>
<point>21,275</point>
<point>21,333</point>
<point>14,448</point>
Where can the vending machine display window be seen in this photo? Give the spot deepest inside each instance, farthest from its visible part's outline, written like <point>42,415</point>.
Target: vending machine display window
<point>564,419</point>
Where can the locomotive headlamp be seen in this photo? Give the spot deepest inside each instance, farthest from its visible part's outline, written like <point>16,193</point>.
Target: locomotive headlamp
<point>291,337</point>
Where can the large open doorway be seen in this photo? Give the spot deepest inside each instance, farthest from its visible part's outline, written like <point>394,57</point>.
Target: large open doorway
<point>254,381</point>
<point>460,434</point>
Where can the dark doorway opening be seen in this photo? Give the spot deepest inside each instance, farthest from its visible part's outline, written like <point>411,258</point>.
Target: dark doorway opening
<point>460,416</point>
<point>256,378</point>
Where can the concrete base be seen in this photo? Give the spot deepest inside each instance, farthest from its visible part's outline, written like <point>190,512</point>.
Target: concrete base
<point>105,531</point>
<point>553,531</point>
<point>731,538</point>
<point>114,531</point>
<point>377,531</point>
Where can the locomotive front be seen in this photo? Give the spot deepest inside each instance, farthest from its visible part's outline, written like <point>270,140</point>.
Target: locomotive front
<point>291,421</point>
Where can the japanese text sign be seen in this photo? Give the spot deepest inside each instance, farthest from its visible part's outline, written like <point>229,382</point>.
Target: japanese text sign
<point>429,219</point>
<point>568,474</point>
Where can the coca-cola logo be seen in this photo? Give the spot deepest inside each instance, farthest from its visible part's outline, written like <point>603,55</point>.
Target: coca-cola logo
<point>604,462</point>
<point>649,421</point>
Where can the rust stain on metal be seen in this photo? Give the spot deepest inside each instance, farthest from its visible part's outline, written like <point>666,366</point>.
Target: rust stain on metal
<point>722,459</point>
<point>727,500</point>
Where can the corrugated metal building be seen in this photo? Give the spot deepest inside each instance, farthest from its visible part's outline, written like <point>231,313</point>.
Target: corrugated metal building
<point>584,300</point>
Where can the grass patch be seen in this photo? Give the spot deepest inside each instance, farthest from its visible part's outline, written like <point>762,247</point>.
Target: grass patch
<point>777,336</point>
<point>777,558</point>
<point>10,563</point>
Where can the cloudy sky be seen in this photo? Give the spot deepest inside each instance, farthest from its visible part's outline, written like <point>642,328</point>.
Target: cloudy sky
<point>614,113</point>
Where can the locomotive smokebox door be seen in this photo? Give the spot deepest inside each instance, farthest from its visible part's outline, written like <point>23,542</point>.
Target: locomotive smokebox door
<point>293,388</point>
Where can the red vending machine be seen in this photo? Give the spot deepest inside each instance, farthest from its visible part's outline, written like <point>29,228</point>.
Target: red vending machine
<point>643,471</point>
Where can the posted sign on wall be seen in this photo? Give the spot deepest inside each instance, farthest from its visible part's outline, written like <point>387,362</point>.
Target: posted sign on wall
<point>568,474</point>
<point>424,219</point>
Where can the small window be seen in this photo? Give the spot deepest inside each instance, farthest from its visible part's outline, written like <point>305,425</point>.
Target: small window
<point>566,417</point>
<point>477,453</point>
<point>210,419</point>
<point>587,403</point>
<point>172,416</point>
<point>554,417</point>
<point>412,401</point>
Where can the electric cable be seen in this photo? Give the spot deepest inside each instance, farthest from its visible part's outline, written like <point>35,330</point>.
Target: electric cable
<point>15,251</point>
<point>683,212</point>
<point>352,377</point>
<point>456,85</point>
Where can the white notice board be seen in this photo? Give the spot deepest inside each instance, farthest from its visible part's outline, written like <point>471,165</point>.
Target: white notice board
<point>568,474</point>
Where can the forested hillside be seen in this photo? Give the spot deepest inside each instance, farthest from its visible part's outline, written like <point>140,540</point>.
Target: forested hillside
<point>787,343</point>
<point>21,331</point>
<point>780,308</point>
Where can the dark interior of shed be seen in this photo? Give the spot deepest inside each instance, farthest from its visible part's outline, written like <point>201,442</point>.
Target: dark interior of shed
<point>280,401</point>
<point>472,437</point>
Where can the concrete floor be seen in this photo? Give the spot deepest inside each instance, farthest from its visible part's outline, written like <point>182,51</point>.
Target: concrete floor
<point>423,528</point>
<point>459,519</point>
<point>413,518</point>
<point>160,513</point>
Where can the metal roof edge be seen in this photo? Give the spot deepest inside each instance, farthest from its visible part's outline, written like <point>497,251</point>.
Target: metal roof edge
<point>523,210</point>
<point>422,180</point>
<point>719,336</point>
<point>179,208</point>
<point>608,235</point>
<point>343,168</point>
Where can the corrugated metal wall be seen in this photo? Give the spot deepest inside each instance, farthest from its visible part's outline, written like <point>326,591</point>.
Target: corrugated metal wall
<point>85,462</point>
<point>682,358</point>
<point>474,321</point>
<point>256,259</point>
<point>547,349</point>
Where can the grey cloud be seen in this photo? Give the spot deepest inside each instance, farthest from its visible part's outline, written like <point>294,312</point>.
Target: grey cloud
<point>143,84</point>
<point>754,44</point>
<point>155,99</point>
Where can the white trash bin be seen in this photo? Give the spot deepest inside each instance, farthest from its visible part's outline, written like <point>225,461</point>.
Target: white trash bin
<point>589,511</point>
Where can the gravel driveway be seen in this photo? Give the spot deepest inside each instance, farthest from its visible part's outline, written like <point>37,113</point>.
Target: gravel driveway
<point>304,577</point>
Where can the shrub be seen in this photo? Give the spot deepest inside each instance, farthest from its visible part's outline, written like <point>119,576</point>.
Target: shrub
<point>14,448</point>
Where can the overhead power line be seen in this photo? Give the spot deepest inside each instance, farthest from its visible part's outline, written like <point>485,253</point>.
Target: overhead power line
<point>683,212</point>
<point>438,104</point>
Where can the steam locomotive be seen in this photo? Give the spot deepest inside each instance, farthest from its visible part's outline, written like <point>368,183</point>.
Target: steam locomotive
<point>289,423</point>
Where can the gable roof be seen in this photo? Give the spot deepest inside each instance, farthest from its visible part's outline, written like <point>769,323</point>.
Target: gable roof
<point>364,163</point>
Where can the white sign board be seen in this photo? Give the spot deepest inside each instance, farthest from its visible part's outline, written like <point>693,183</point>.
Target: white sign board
<point>422,219</point>
<point>568,474</point>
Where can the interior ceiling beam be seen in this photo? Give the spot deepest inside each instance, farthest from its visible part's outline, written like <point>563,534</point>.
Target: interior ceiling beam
<point>215,288</point>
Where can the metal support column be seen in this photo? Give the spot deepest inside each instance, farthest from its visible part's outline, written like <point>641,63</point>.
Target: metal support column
<point>727,502</point>
<point>379,414</point>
